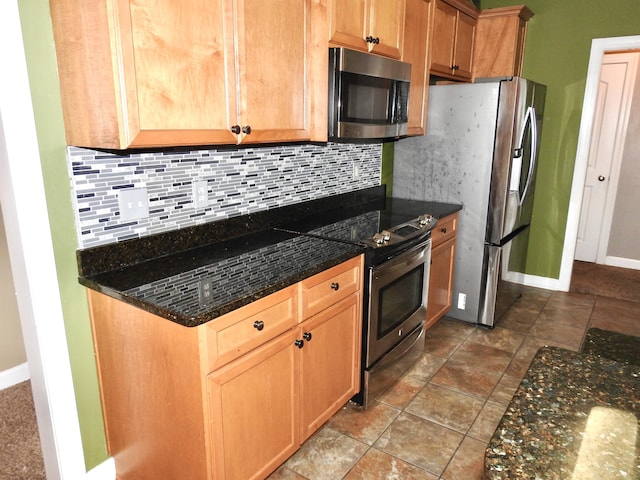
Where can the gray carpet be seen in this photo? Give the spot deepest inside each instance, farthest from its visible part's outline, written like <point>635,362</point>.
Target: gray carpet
<point>20,451</point>
<point>613,282</point>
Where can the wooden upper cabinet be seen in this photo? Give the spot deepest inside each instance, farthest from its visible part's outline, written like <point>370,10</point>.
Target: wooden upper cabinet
<point>416,51</point>
<point>500,38</point>
<point>141,73</point>
<point>454,26</point>
<point>375,26</point>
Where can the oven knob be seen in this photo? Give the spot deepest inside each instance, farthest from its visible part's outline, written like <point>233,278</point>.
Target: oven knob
<point>378,239</point>
<point>425,219</point>
<point>386,235</point>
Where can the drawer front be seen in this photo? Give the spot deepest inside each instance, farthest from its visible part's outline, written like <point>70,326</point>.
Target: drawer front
<point>446,228</point>
<point>246,328</point>
<point>329,287</point>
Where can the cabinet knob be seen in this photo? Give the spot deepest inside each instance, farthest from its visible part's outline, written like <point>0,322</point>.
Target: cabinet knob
<point>455,67</point>
<point>246,129</point>
<point>235,129</point>
<point>443,229</point>
<point>335,286</point>
<point>369,39</point>
<point>376,40</point>
<point>258,325</point>
<point>601,178</point>
<point>299,343</point>
<point>307,336</point>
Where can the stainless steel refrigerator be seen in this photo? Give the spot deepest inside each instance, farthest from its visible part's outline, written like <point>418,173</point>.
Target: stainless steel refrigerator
<point>480,150</point>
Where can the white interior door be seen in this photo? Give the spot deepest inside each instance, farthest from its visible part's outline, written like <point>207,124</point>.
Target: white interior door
<point>615,90</point>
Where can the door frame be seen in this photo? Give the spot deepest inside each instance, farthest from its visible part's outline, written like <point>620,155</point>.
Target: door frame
<point>24,207</point>
<point>599,47</point>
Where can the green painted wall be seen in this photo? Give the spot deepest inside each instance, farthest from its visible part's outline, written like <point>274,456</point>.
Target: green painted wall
<point>557,54</point>
<point>45,92</point>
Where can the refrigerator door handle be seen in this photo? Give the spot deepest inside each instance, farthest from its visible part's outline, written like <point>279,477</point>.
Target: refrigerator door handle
<point>517,161</point>
<point>531,117</point>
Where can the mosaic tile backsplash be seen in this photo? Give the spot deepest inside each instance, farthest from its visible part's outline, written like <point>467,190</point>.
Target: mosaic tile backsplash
<point>238,180</point>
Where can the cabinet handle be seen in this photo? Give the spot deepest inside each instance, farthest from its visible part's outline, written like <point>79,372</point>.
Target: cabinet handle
<point>455,67</point>
<point>443,229</point>
<point>235,129</point>
<point>258,325</point>
<point>369,39</point>
<point>376,40</point>
<point>246,129</point>
<point>335,286</point>
<point>299,343</point>
<point>307,336</point>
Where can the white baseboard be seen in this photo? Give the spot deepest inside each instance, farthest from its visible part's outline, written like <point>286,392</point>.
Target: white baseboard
<point>105,471</point>
<point>532,280</point>
<point>622,262</point>
<point>15,375</point>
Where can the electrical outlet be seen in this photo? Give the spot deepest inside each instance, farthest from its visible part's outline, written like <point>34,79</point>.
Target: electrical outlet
<point>200,194</point>
<point>462,301</point>
<point>205,291</point>
<point>356,171</point>
<point>133,203</point>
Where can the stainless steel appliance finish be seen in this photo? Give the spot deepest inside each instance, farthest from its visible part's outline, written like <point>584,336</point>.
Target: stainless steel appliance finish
<point>480,150</point>
<point>395,311</point>
<point>397,236</point>
<point>368,95</point>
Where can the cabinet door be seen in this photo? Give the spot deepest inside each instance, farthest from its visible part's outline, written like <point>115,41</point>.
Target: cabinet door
<point>272,40</point>
<point>252,404</point>
<point>463,52</point>
<point>143,73</point>
<point>330,362</point>
<point>175,69</point>
<point>440,281</point>
<point>415,51</point>
<point>349,23</point>
<point>444,28</point>
<point>387,27</point>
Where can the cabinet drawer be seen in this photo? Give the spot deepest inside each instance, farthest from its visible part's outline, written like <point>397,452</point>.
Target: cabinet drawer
<point>446,228</point>
<point>330,286</point>
<point>246,328</point>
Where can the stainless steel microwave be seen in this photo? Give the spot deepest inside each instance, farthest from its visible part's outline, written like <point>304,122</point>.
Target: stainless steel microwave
<point>368,95</point>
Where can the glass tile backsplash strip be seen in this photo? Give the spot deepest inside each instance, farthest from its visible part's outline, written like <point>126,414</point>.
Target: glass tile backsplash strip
<point>239,181</point>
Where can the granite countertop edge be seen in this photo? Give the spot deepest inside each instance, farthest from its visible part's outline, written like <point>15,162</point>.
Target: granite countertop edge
<point>218,310</point>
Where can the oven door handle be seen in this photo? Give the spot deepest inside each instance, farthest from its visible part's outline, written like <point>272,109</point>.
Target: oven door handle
<point>405,262</point>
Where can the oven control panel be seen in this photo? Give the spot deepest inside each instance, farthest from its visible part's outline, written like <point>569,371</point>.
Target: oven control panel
<point>405,232</point>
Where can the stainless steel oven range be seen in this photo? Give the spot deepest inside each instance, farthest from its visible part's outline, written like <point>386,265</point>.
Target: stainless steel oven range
<point>397,237</point>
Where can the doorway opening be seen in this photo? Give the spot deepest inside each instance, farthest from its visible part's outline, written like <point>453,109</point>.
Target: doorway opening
<point>599,48</point>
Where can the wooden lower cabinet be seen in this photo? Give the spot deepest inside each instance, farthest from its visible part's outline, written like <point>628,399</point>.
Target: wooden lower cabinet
<point>253,406</point>
<point>264,405</point>
<point>443,252</point>
<point>178,404</point>
<point>329,363</point>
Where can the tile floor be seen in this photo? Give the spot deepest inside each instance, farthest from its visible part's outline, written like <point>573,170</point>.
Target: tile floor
<point>436,421</point>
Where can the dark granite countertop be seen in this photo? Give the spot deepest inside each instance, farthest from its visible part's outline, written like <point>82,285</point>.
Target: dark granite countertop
<point>574,416</point>
<point>194,275</point>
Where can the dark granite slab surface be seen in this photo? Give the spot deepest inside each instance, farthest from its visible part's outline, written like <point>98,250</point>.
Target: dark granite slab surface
<point>196,286</point>
<point>574,416</point>
<point>612,345</point>
<point>194,275</point>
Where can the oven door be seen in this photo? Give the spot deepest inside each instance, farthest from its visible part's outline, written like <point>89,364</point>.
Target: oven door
<point>397,299</point>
